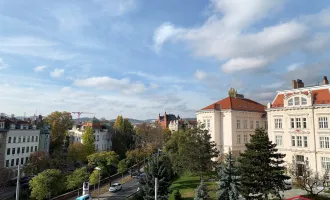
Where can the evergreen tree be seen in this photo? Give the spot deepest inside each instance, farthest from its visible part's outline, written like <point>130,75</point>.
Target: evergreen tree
<point>201,192</point>
<point>262,171</point>
<point>229,179</point>
<point>88,140</point>
<point>159,167</point>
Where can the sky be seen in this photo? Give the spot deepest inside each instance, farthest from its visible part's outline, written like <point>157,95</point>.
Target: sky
<point>139,58</point>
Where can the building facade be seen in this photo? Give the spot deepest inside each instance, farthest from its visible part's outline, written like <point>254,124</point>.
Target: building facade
<point>102,134</point>
<point>231,121</point>
<point>44,140</point>
<point>165,120</point>
<point>298,124</point>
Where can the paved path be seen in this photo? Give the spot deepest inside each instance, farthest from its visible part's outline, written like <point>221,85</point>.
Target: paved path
<point>127,189</point>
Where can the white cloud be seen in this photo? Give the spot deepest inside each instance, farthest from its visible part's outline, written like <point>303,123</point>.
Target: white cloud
<point>154,86</point>
<point>163,33</point>
<point>3,65</point>
<point>200,75</point>
<point>40,68</point>
<point>124,85</point>
<point>116,7</point>
<point>294,66</point>
<point>57,73</point>
<point>151,77</point>
<point>238,64</point>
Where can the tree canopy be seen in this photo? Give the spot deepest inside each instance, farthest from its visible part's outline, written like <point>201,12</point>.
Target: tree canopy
<point>94,177</point>
<point>123,139</point>
<point>38,162</point>
<point>77,178</point>
<point>106,160</point>
<point>201,192</point>
<point>77,152</point>
<point>88,140</point>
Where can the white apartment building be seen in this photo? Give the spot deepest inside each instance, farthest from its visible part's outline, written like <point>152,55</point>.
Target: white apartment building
<point>101,134</point>
<point>19,140</point>
<point>298,124</point>
<point>231,121</point>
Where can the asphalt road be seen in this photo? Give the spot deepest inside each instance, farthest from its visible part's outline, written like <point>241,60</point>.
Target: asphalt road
<point>127,189</point>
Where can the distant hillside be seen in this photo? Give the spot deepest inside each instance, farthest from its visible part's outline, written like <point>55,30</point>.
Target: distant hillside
<point>133,121</point>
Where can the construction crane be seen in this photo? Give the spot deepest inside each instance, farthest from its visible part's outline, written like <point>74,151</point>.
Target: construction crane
<point>79,113</point>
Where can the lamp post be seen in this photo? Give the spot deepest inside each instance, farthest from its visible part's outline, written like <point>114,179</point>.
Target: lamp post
<point>18,181</point>
<point>99,169</point>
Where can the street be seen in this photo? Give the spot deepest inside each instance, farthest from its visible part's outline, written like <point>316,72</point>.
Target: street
<point>127,189</point>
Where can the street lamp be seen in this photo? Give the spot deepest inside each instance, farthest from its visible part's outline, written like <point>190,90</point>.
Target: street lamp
<point>99,169</point>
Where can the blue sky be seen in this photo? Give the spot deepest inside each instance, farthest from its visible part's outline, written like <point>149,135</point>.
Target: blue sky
<point>139,58</point>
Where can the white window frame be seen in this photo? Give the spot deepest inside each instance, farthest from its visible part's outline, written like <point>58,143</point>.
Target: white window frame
<point>208,123</point>
<point>278,140</point>
<point>304,122</point>
<point>303,101</point>
<point>245,125</point>
<point>323,122</point>
<point>293,140</point>
<point>257,124</point>
<point>278,123</point>
<point>299,141</point>
<point>266,125</point>
<point>324,142</point>
<point>325,162</point>
<point>296,101</point>
<point>251,124</point>
<point>238,124</point>
<point>305,141</point>
<point>290,102</point>
<point>245,138</point>
<point>292,123</point>
<point>2,124</point>
<point>238,139</point>
<point>298,123</point>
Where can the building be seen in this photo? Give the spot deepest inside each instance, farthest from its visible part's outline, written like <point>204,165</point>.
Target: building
<point>44,140</point>
<point>102,134</point>
<point>231,121</point>
<point>178,124</point>
<point>298,124</point>
<point>18,139</point>
<point>165,120</point>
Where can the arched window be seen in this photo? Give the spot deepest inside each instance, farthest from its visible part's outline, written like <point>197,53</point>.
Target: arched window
<point>303,101</point>
<point>290,102</point>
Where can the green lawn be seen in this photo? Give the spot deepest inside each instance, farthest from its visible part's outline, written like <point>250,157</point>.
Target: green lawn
<point>187,185</point>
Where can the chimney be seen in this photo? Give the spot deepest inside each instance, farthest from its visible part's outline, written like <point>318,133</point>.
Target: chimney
<point>325,80</point>
<point>294,84</point>
<point>300,84</point>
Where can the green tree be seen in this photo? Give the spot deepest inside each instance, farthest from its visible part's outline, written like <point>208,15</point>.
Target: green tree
<point>77,152</point>
<point>88,140</point>
<point>161,168</point>
<point>77,178</point>
<point>232,92</point>
<point>229,186</point>
<point>47,184</point>
<point>59,122</point>
<point>38,162</point>
<point>106,160</point>
<point>262,170</point>
<point>119,122</point>
<point>122,167</point>
<point>201,192</point>
<point>94,178</point>
<point>177,195</point>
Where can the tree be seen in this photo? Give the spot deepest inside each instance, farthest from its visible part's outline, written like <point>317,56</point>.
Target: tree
<point>232,92</point>
<point>161,168</point>
<point>229,186</point>
<point>119,122</point>
<point>89,140</point>
<point>122,167</point>
<point>309,180</point>
<point>5,174</point>
<point>177,195</point>
<point>59,122</point>
<point>262,171</point>
<point>77,152</point>
<point>77,178</point>
<point>38,162</point>
<point>46,184</point>
<point>201,192</point>
<point>94,178</point>
<point>106,160</point>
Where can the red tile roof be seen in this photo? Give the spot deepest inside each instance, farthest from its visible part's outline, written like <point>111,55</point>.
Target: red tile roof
<point>321,96</point>
<point>237,104</point>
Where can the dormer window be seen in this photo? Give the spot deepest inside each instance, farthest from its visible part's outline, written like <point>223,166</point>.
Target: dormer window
<point>296,101</point>
<point>290,102</point>
<point>2,124</point>
<point>303,101</point>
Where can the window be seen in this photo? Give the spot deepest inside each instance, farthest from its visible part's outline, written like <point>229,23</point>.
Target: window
<point>27,149</point>
<point>278,123</point>
<point>238,124</point>
<point>28,138</point>
<point>31,150</point>
<point>23,138</point>
<point>8,151</point>
<point>7,163</point>
<point>323,122</point>
<point>17,161</point>
<point>2,124</point>
<point>97,138</point>
<point>14,141</point>
<point>245,124</point>
<point>37,138</point>
<point>266,125</point>
<point>303,101</point>
<point>12,162</point>
<point>304,120</point>
<point>26,159</point>
<point>292,122</point>
<point>19,139</point>
<point>22,161</point>
<point>293,141</point>
<point>296,101</point>
<point>299,141</point>
<point>238,139</point>
<point>18,150</point>
<point>305,141</point>
<point>278,140</point>
<point>23,149</point>
<point>245,138</point>
<point>13,151</point>
<point>9,139</point>
<point>290,102</point>
<point>324,142</point>
<point>300,158</point>
<point>32,140</point>
<point>208,123</point>
<point>251,124</point>
<point>325,162</point>
<point>298,123</point>
<point>257,124</point>
<point>35,148</point>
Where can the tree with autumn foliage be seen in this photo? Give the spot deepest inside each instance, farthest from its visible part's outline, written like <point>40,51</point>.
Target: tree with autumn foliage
<point>59,122</point>
<point>89,140</point>
<point>38,162</point>
<point>77,152</point>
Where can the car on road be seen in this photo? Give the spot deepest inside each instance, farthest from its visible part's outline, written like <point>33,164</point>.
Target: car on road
<point>288,184</point>
<point>115,187</point>
<point>85,197</point>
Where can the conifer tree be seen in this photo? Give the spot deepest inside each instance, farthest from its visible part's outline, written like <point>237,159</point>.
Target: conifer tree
<point>229,179</point>
<point>201,192</point>
<point>261,167</point>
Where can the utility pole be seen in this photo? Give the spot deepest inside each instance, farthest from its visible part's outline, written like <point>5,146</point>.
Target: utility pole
<point>18,182</point>
<point>156,188</point>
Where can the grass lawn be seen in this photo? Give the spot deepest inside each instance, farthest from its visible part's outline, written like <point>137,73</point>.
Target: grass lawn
<point>188,183</point>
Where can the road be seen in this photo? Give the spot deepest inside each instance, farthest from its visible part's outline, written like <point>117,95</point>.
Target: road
<point>127,189</point>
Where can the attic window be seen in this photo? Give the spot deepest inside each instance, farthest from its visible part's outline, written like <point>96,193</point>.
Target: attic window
<point>303,101</point>
<point>290,102</point>
<point>2,124</point>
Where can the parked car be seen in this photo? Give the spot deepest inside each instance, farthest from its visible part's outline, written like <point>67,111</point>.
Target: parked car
<point>115,187</point>
<point>288,184</point>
